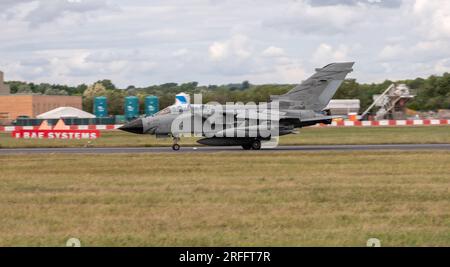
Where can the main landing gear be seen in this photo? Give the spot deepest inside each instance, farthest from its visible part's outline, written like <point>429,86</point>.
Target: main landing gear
<point>175,145</point>
<point>255,145</point>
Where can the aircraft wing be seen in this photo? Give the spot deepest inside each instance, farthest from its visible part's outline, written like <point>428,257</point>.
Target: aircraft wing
<point>262,115</point>
<point>207,112</point>
<point>245,131</point>
<point>321,118</point>
<point>318,119</point>
<point>248,114</point>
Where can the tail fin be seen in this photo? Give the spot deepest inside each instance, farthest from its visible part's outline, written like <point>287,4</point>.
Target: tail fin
<point>316,91</point>
<point>182,99</point>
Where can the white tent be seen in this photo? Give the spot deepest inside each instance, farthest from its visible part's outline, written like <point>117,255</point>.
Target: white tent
<point>65,112</point>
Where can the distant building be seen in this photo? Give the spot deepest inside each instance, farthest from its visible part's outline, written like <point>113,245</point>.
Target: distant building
<point>13,106</point>
<point>4,88</point>
<point>343,106</point>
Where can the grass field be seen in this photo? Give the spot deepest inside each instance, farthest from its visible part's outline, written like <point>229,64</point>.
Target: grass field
<point>228,199</point>
<point>307,136</point>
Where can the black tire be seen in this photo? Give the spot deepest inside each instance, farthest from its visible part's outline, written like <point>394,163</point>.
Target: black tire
<point>256,145</point>
<point>247,146</point>
<point>176,147</point>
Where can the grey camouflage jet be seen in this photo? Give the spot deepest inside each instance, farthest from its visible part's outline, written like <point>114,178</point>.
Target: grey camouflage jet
<point>240,125</point>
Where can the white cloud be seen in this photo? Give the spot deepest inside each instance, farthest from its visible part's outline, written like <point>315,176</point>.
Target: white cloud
<point>273,51</point>
<point>424,47</point>
<point>433,17</point>
<point>442,66</point>
<point>180,52</point>
<point>392,52</point>
<point>301,17</point>
<point>290,73</point>
<point>134,42</point>
<point>326,54</point>
<point>218,51</point>
<point>37,12</point>
<point>238,46</point>
<point>424,50</point>
<point>8,4</point>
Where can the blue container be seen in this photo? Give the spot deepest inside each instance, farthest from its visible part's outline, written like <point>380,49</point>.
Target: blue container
<point>100,106</point>
<point>131,107</point>
<point>151,105</point>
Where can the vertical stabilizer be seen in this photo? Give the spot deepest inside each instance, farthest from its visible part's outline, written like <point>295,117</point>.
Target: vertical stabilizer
<point>316,92</point>
<point>182,99</point>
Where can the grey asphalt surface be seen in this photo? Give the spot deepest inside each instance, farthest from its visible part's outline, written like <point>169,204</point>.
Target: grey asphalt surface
<point>204,149</point>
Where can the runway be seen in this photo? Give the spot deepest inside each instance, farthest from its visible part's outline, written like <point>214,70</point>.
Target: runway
<point>204,149</point>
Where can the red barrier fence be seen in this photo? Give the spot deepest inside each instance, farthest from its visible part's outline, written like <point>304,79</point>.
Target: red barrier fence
<point>71,127</point>
<point>342,123</point>
<point>345,123</point>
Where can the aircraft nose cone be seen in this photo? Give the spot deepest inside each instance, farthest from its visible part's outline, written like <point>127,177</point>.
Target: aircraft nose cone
<point>135,126</point>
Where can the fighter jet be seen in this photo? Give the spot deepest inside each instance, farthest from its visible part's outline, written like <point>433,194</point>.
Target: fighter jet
<point>248,125</point>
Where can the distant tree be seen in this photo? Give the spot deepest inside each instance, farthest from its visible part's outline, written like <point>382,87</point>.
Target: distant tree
<point>79,90</point>
<point>107,84</point>
<point>115,101</point>
<point>188,87</point>
<point>51,91</point>
<point>245,85</point>
<point>443,85</point>
<point>97,89</point>
<point>42,88</point>
<point>432,93</point>
<point>416,84</point>
<point>131,91</point>
<point>24,89</point>
<point>446,103</point>
<point>168,85</point>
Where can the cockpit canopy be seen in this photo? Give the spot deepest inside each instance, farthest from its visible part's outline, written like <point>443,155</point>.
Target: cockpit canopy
<point>175,109</point>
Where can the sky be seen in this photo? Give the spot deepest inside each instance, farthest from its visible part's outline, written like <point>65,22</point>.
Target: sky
<point>145,42</point>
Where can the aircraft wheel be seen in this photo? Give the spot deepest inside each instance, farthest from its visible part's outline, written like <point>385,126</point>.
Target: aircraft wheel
<point>247,146</point>
<point>176,147</point>
<point>256,145</point>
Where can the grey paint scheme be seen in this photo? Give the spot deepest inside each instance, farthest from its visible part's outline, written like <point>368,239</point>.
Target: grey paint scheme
<point>302,106</point>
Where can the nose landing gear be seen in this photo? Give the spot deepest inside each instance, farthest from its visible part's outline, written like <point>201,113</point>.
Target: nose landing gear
<point>175,145</point>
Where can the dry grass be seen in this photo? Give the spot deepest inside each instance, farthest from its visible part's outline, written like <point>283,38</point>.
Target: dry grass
<point>226,199</point>
<point>308,136</point>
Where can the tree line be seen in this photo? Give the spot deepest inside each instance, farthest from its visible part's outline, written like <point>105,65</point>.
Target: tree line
<point>432,93</point>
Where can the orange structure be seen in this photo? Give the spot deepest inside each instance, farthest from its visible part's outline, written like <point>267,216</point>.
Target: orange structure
<point>12,106</point>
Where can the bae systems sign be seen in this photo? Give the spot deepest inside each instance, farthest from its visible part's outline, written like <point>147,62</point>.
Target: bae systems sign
<point>56,134</point>
<point>59,131</point>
